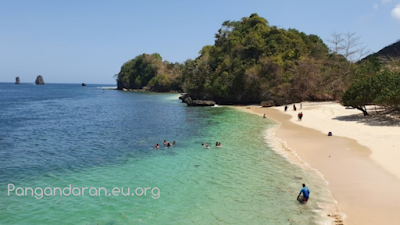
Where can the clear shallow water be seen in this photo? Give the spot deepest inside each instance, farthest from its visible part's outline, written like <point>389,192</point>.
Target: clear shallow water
<point>60,134</point>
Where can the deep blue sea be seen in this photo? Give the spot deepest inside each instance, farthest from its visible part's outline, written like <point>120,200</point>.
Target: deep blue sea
<point>56,136</point>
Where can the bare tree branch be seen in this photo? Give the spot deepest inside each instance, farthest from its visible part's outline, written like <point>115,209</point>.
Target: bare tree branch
<point>336,40</point>
<point>348,45</point>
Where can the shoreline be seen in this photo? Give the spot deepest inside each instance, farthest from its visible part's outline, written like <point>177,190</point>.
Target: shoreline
<point>366,191</point>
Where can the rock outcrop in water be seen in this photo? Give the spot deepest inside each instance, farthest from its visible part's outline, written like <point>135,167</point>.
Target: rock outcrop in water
<point>198,102</point>
<point>17,81</point>
<point>39,80</point>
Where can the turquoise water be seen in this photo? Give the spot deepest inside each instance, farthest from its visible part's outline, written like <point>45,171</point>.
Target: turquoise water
<point>58,135</point>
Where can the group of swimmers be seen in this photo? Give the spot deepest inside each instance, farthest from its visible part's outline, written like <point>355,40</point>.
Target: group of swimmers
<point>217,144</point>
<point>166,143</point>
<point>205,145</point>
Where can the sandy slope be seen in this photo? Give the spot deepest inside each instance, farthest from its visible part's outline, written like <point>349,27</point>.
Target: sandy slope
<point>360,161</point>
<point>381,136</point>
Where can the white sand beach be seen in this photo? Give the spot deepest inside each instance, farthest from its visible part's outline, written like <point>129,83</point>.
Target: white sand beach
<point>360,161</point>
<point>381,136</point>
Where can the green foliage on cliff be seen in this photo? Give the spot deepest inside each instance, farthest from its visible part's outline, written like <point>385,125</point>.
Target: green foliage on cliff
<point>150,71</point>
<point>252,61</point>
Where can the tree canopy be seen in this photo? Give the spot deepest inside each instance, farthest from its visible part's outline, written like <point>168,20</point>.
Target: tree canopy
<point>149,71</point>
<point>252,61</point>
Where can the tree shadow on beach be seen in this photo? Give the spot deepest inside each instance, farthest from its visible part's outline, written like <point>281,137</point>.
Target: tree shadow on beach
<point>377,119</point>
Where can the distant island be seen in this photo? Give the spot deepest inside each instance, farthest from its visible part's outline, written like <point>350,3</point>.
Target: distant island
<point>252,61</point>
<point>39,80</point>
<point>17,81</point>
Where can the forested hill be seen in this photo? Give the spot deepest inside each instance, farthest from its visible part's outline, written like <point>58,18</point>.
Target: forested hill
<point>390,52</point>
<point>249,62</point>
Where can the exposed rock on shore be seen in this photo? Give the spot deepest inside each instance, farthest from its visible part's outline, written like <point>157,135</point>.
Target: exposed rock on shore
<point>268,103</point>
<point>198,102</point>
<point>183,97</point>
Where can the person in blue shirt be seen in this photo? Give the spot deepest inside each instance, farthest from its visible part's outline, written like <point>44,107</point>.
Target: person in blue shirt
<point>306,194</point>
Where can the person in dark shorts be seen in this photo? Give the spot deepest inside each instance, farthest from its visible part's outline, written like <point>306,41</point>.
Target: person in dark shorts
<point>303,195</point>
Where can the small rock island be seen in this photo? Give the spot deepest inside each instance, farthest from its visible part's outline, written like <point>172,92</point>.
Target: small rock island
<point>17,81</point>
<point>39,80</point>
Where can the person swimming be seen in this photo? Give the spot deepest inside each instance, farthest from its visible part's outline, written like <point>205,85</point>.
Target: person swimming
<point>205,145</point>
<point>167,143</point>
<point>157,146</point>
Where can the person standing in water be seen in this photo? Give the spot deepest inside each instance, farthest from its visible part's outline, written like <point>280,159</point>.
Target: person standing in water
<point>306,195</point>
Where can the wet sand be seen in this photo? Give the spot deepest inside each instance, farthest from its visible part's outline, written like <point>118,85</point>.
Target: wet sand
<point>366,192</point>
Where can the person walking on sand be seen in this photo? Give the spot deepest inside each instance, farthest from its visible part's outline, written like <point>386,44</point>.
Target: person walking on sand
<point>303,195</point>
<point>294,107</point>
<point>300,116</point>
<point>286,108</point>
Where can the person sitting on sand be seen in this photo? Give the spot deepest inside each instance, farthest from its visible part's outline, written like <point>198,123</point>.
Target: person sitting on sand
<point>306,195</point>
<point>157,146</point>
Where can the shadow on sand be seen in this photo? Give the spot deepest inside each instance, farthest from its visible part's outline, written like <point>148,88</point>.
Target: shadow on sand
<point>378,119</point>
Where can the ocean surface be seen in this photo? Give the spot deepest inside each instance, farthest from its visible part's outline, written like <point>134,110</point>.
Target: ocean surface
<point>65,135</point>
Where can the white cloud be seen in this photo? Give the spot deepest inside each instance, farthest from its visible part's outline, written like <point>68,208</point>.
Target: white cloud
<point>386,1</point>
<point>396,12</point>
<point>376,6</point>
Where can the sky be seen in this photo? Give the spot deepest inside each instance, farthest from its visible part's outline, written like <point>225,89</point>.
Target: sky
<point>88,41</point>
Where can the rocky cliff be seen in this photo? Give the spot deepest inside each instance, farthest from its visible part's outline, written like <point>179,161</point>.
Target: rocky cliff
<point>39,80</point>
